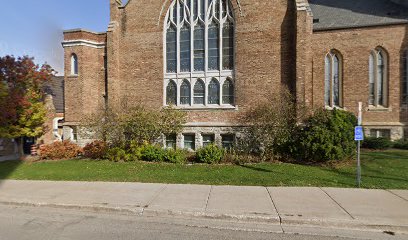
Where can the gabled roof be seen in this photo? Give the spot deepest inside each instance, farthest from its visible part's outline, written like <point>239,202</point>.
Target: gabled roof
<point>55,88</point>
<point>339,14</point>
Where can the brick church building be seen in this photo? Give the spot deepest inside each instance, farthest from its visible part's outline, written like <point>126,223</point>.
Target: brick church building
<point>215,59</point>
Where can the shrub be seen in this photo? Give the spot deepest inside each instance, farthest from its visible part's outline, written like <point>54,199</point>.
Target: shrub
<point>376,143</point>
<point>95,150</point>
<point>59,150</point>
<point>401,144</point>
<point>135,151</point>
<point>137,124</point>
<point>152,153</point>
<point>175,156</point>
<point>210,154</point>
<point>271,126</point>
<point>117,154</point>
<point>325,136</point>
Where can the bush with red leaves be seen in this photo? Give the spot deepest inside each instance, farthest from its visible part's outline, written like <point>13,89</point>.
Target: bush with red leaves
<point>59,150</point>
<point>95,150</point>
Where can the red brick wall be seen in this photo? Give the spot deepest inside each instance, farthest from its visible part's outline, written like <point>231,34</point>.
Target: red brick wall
<point>275,45</point>
<point>264,52</point>
<point>355,46</point>
<point>84,93</point>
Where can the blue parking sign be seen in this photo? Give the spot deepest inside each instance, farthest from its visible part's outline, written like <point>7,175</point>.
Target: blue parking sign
<point>358,133</point>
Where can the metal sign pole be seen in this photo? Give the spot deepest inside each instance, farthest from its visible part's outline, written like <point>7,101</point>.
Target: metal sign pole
<point>358,165</point>
<point>360,120</point>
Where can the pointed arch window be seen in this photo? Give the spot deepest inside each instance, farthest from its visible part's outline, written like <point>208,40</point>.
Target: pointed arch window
<point>405,78</point>
<point>199,44</point>
<point>214,92</point>
<point>171,93</point>
<point>228,92</point>
<point>199,92</point>
<point>185,93</point>
<point>378,74</point>
<point>74,64</point>
<point>333,80</point>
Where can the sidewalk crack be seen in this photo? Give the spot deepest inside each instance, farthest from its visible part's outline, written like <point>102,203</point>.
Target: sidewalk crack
<point>276,209</point>
<point>208,199</point>
<point>154,198</point>
<point>396,195</point>
<point>337,203</point>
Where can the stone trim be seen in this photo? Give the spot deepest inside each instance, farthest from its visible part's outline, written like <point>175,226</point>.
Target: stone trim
<point>82,42</point>
<point>83,30</point>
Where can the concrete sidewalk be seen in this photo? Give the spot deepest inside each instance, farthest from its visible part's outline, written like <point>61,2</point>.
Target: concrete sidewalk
<point>326,207</point>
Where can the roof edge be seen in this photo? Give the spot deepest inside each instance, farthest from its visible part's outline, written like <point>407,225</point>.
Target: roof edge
<point>82,30</point>
<point>359,26</point>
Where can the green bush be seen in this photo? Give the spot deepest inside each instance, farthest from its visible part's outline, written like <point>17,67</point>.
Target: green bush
<point>377,143</point>
<point>210,154</point>
<point>135,151</point>
<point>117,154</point>
<point>401,144</point>
<point>152,153</point>
<point>175,156</point>
<point>325,136</point>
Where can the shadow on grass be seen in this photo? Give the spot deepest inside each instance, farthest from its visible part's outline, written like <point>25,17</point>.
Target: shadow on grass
<point>256,168</point>
<point>7,168</point>
<point>308,179</point>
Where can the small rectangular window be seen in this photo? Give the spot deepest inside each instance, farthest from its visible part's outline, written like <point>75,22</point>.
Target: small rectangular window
<point>380,133</point>
<point>171,141</point>
<point>227,141</point>
<point>208,139</point>
<point>189,141</point>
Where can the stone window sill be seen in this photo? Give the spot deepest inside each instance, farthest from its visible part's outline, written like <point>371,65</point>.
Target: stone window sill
<point>207,107</point>
<point>378,109</point>
<point>337,108</point>
<point>73,76</point>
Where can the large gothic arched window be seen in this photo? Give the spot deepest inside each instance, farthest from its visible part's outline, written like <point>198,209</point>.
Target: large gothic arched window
<point>199,51</point>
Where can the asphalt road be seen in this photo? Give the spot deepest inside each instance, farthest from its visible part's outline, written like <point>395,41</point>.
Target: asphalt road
<point>21,223</point>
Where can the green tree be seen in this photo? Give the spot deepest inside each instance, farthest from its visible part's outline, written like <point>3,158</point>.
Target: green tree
<point>22,110</point>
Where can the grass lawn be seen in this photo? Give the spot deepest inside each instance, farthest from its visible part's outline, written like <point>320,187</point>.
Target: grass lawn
<point>387,169</point>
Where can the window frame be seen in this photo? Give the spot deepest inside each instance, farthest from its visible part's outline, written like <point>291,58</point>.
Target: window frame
<point>329,77</point>
<point>74,65</point>
<point>192,142</point>
<point>374,76</point>
<point>171,138</point>
<point>230,143</point>
<point>210,141</point>
<point>193,19</point>
<point>404,85</point>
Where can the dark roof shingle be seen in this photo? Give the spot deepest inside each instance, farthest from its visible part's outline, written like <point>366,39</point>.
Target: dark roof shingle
<point>55,88</point>
<point>338,14</point>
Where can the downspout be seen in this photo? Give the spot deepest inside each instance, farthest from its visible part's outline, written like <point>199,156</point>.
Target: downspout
<point>55,128</point>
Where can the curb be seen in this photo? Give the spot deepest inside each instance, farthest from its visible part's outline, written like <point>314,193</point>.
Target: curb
<point>253,218</point>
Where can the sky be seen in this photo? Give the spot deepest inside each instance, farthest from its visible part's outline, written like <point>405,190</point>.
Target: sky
<point>35,27</point>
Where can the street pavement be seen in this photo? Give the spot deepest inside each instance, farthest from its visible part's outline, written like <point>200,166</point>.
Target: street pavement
<point>34,223</point>
<point>280,209</point>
